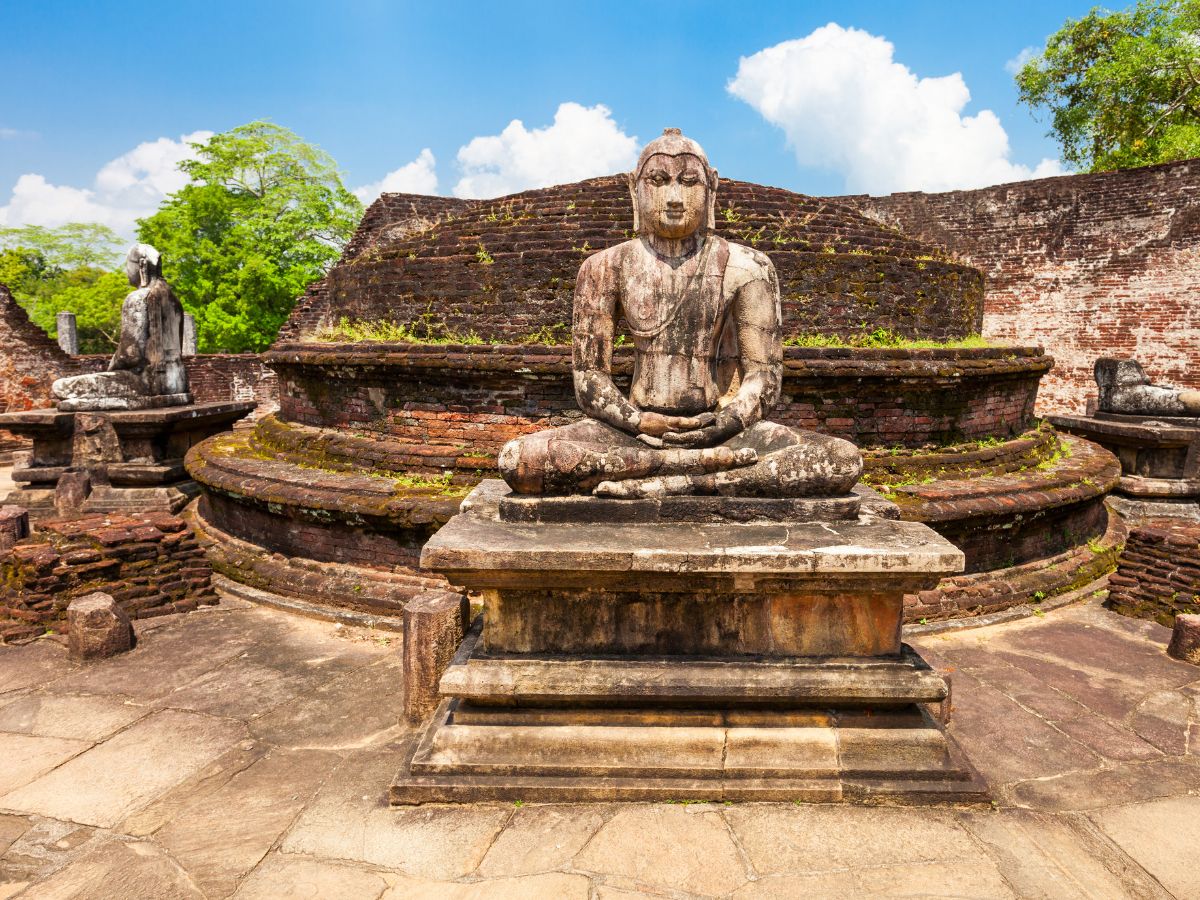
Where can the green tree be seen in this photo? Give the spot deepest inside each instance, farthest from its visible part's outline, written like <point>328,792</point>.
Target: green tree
<point>67,246</point>
<point>50,270</point>
<point>1122,88</point>
<point>264,215</point>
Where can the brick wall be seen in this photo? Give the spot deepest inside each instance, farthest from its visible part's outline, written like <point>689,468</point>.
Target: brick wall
<point>505,269</point>
<point>212,377</point>
<point>472,399</point>
<point>151,564</point>
<point>1092,265</point>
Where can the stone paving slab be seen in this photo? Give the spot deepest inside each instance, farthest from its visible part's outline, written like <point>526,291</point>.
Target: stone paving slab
<point>26,757</point>
<point>1163,836</point>
<point>75,716</point>
<point>222,836</point>
<point>244,752</point>
<point>102,786</point>
<point>350,819</point>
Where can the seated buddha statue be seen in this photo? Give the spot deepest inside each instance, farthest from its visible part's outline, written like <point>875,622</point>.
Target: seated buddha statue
<point>704,318</point>
<point>147,369</point>
<point>1126,388</point>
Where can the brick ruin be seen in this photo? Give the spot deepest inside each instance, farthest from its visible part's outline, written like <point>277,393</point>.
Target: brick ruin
<point>375,443</point>
<point>1091,265</point>
<point>151,564</point>
<point>325,504</point>
<point>1158,574</point>
<point>505,269</point>
<point>29,363</point>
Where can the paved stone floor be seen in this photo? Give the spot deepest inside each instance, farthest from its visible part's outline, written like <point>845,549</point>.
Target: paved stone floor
<point>242,751</point>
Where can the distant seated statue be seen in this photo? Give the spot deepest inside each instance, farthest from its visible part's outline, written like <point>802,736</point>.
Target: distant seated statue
<point>147,370</point>
<point>1126,388</point>
<point>704,318</point>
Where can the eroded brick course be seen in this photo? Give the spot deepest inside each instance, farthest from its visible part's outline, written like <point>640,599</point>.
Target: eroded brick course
<point>1158,574</point>
<point>139,560</point>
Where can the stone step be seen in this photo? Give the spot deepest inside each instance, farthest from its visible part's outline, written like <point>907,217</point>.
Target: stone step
<point>900,758</point>
<point>682,682</point>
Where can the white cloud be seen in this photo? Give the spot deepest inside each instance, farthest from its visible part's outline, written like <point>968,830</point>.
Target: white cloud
<point>1017,63</point>
<point>583,142</point>
<point>416,177</point>
<point>13,134</point>
<point>125,189</point>
<point>845,104</point>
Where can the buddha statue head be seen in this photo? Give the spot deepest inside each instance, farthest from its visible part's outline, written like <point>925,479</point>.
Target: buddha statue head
<point>674,188</point>
<point>142,264</point>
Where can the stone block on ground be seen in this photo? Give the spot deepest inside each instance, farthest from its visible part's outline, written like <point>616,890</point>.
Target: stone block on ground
<point>98,627</point>
<point>1185,639</point>
<point>434,624</point>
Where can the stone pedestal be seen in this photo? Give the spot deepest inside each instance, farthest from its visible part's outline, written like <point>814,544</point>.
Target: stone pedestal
<point>133,459</point>
<point>729,657</point>
<point>1160,460</point>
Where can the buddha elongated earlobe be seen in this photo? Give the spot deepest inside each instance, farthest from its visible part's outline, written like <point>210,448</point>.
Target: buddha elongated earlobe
<point>631,178</point>
<point>712,200</point>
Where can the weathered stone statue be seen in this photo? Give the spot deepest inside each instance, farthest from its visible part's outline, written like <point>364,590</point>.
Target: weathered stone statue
<point>704,318</point>
<point>652,642</point>
<point>1126,388</point>
<point>147,370</point>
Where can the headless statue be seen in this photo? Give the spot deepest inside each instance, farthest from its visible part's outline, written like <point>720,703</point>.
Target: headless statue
<point>1126,388</point>
<point>147,370</point>
<point>704,318</point>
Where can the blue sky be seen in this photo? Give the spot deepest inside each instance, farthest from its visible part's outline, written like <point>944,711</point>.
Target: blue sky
<point>377,83</point>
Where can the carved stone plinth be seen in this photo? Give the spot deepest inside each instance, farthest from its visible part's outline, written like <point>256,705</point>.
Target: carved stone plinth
<point>1160,460</point>
<point>133,459</point>
<point>702,659</point>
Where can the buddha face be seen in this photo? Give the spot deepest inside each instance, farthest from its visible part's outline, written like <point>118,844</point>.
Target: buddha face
<point>133,272</point>
<point>672,195</point>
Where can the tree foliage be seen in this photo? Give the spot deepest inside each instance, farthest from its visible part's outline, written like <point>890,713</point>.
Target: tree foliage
<point>52,270</point>
<point>1122,88</point>
<point>67,246</point>
<point>263,216</point>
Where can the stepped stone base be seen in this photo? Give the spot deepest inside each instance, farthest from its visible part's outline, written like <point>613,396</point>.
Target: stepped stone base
<point>1160,458</point>
<point>686,660</point>
<point>132,458</point>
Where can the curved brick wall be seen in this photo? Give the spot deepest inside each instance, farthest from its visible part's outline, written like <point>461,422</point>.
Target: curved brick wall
<point>1093,265</point>
<point>505,268</point>
<point>472,399</point>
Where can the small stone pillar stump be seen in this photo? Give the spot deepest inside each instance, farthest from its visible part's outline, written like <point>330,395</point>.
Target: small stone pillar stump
<point>434,624</point>
<point>68,334</point>
<point>14,525</point>
<point>1185,639</point>
<point>97,627</point>
<point>189,335</point>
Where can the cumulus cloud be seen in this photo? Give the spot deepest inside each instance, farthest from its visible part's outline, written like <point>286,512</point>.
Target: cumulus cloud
<point>583,142</point>
<point>125,189</point>
<point>1017,63</point>
<point>845,104</point>
<point>416,177</point>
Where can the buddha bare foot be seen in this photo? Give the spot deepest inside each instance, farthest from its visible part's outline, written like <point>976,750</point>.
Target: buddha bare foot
<point>653,488</point>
